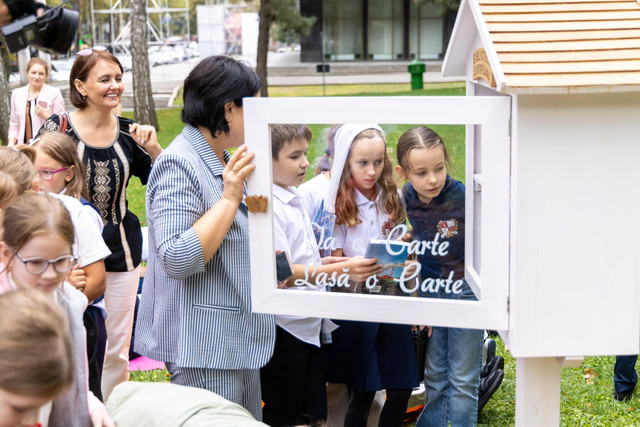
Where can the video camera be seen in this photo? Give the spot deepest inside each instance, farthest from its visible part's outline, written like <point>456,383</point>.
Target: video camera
<point>53,30</point>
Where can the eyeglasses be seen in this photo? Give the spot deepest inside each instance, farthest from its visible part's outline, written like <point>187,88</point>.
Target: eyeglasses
<point>39,265</point>
<point>87,52</point>
<point>47,174</point>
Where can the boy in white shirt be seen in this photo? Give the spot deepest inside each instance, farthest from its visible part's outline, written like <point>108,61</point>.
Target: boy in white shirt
<point>293,382</point>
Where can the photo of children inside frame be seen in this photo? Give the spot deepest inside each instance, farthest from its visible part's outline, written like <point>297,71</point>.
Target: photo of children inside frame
<point>379,211</point>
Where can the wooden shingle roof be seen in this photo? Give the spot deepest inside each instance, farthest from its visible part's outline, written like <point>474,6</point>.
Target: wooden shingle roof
<point>568,44</point>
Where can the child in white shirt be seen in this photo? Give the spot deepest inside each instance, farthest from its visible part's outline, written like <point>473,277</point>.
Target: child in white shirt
<point>293,382</point>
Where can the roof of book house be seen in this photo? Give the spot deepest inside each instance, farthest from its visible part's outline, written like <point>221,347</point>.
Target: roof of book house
<point>544,46</point>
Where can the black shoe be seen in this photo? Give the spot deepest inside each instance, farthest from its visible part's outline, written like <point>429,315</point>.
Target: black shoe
<point>488,351</point>
<point>488,386</point>
<point>495,364</point>
<point>622,395</point>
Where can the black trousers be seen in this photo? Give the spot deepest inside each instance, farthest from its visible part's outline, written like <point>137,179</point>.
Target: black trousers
<point>293,383</point>
<point>96,344</point>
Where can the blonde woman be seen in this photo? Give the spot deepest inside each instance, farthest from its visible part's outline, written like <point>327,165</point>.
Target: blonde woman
<point>32,104</point>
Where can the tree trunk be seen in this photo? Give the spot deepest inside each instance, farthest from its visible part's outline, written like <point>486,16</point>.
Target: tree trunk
<point>143,106</point>
<point>5,100</point>
<point>263,45</point>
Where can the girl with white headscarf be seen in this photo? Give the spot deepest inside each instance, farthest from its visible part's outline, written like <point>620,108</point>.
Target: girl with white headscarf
<point>361,203</point>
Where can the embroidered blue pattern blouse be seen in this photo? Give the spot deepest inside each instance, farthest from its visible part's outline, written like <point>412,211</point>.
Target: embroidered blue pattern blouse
<point>107,176</point>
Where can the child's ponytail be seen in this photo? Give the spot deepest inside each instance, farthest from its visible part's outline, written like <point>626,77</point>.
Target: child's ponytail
<point>9,189</point>
<point>17,163</point>
<point>324,164</point>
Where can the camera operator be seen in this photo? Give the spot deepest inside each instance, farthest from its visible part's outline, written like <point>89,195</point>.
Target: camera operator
<point>27,22</point>
<point>5,15</point>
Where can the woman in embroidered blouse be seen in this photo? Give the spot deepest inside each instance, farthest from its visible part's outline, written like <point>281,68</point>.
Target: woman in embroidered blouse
<point>113,149</point>
<point>32,104</point>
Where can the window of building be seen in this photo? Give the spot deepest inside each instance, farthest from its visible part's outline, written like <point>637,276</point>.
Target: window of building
<point>385,29</point>
<point>342,29</point>
<point>426,31</point>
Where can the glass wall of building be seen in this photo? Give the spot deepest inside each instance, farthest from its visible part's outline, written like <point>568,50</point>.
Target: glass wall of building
<point>382,30</point>
<point>342,29</point>
<point>385,29</point>
<point>426,31</point>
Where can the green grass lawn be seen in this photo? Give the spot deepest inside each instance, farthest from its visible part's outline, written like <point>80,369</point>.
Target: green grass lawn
<point>586,391</point>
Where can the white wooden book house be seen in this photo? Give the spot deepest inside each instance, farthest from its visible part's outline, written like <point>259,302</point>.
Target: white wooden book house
<point>552,117</point>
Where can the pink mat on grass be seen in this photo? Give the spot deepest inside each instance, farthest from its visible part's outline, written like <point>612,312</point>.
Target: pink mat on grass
<point>145,364</point>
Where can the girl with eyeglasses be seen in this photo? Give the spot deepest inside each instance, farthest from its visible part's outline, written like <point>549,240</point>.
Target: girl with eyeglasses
<point>113,149</point>
<point>36,252</point>
<point>59,170</point>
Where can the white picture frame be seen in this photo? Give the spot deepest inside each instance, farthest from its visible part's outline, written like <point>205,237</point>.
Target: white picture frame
<point>486,118</point>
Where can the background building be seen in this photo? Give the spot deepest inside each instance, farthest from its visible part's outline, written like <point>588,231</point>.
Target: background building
<point>356,30</point>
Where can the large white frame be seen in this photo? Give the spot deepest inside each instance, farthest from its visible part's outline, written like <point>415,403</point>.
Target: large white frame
<point>488,115</point>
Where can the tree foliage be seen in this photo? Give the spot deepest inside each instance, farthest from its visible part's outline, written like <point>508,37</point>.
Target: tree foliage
<point>286,15</point>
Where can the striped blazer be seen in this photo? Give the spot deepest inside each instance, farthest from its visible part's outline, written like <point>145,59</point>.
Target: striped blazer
<point>193,314</point>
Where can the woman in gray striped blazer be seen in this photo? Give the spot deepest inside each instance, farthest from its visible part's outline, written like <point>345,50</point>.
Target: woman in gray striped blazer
<point>195,312</point>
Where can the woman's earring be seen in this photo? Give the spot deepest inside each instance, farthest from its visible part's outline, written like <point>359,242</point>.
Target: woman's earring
<point>84,98</point>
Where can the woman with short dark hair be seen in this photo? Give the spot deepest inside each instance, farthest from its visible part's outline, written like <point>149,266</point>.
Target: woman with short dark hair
<point>195,312</point>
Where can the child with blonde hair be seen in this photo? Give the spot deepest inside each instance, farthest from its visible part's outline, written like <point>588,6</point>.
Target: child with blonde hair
<point>16,173</point>
<point>36,355</point>
<point>60,171</point>
<point>294,382</point>
<point>363,200</point>
<point>436,206</point>
<point>37,252</point>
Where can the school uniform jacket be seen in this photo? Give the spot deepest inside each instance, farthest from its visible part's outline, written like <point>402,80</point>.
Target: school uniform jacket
<point>51,95</point>
<point>193,314</point>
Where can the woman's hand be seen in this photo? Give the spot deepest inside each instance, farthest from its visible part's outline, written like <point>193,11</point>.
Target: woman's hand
<point>146,137</point>
<point>235,173</point>
<point>77,278</point>
<point>43,113</point>
<point>361,268</point>
<point>100,418</point>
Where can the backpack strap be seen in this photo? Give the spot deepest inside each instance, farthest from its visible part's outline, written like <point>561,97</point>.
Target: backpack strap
<point>63,122</point>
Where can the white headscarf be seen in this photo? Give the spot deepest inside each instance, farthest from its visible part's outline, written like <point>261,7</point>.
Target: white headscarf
<point>342,144</point>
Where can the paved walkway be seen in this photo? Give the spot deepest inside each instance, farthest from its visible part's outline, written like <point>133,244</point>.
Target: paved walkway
<point>285,69</point>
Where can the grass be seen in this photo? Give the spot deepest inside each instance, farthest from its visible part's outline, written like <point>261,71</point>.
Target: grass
<point>586,395</point>
<point>395,89</point>
<point>586,391</point>
<point>430,89</point>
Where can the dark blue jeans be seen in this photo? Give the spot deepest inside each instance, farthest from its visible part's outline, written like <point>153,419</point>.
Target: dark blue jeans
<point>624,373</point>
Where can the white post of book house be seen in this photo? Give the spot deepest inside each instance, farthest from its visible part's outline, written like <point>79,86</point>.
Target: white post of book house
<point>552,120</point>
<point>574,240</point>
